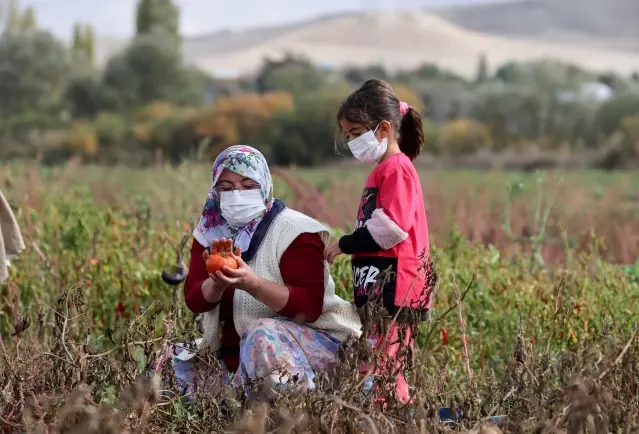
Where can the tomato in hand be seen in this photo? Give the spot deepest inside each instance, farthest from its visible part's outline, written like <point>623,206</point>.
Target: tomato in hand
<point>217,261</point>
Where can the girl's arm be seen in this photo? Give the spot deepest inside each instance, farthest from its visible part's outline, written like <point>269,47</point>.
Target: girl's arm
<point>389,224</point>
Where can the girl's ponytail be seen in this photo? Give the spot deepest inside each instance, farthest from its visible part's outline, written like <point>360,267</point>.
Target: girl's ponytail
<point>411,134</point>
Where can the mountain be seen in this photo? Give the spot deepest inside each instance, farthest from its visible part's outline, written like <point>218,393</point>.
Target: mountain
<point>611,21</point>
<point>396,40</point>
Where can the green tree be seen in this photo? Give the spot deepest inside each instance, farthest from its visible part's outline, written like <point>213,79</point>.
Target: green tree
<point>15,21</point>
<point>35,70</point>
<point>482,69</point>
<point>158,15</point>
<point>292,74</point>
<point>305,135</point>
<point>357,76</point>
<point>83,45</point>
<point>151,69</point>
<point>86,96</point>
<point>89,44</point>
<point>28,22</point>
<point>609,116</point>
<point>508,72</point>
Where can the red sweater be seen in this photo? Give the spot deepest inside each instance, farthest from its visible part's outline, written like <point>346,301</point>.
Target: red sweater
<point>302,269</point>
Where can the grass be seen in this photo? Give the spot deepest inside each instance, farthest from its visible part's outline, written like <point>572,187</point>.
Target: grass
<point>547,308</point>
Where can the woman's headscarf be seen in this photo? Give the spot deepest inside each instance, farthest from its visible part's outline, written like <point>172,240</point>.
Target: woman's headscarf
<point>250,163</point>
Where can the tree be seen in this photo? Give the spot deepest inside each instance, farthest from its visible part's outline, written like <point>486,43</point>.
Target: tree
<point>34,69</point>
<point>306,135</point>
<point>609,116</point>
<point>406,94</point>
<point>158,15</point>
<point>358,76</point>
<point>28,21</point>
<point>151,69</point>
<point>292,74</point>
<point>89,44</point>
<point>83,45</point>
<point>482,69</point>
<point>463,137</point>
<point>508,72</point>
<point>241,118</point>
<point>86,96</point>
<point>507,110</point>
<point>15,21</point>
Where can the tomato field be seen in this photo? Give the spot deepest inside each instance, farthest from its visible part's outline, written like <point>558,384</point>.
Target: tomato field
<point>535,309</point>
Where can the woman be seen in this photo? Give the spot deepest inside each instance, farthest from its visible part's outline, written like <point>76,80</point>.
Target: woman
<point>11,242</point>
<point>278,310</point>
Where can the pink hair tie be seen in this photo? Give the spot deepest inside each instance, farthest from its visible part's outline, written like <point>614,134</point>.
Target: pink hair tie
<point>403,107</point>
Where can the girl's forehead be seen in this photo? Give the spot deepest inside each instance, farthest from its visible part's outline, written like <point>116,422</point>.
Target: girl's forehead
<point>348,125</point>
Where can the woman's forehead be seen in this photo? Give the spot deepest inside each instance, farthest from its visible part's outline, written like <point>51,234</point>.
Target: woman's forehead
<point>230,176</point>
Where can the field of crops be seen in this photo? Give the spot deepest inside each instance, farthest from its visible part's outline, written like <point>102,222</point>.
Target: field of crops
<point>535,318</point>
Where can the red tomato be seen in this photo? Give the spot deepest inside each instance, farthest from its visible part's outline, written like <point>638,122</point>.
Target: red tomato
<point>444,336</point>
<point>217,261</point>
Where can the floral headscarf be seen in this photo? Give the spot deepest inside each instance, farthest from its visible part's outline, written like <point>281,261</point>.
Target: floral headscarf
<point>245,161</point>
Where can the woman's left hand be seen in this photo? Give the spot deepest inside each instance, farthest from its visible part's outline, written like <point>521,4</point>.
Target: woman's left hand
<point>243,277</point>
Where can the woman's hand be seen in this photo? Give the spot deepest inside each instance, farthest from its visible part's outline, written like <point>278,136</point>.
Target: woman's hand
<point>241,278</point>
<point>332,252</point>
<point>213,287</point>
<point>273,295</point>
<point>212,290</point>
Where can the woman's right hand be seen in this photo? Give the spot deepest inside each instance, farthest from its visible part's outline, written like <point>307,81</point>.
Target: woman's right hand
<point>212,288</point>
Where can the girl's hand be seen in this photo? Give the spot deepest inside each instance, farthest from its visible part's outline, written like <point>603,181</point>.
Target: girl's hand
<point>243,277</point>
<point>332,252</point>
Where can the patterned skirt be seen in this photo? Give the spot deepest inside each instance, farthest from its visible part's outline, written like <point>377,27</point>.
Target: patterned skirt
<point>273,351</point>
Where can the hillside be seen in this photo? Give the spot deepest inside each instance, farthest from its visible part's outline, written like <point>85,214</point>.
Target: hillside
<point>397,40</point>
<point>575,19</point>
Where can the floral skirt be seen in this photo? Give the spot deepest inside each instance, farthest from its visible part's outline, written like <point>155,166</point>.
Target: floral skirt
<point>274,351</point>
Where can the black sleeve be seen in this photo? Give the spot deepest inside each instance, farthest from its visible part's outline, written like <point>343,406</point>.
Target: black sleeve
<point>358,242</point>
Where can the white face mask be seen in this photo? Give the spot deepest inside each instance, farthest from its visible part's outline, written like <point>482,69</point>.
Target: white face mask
<point>367,149</point>
<point>240,207</point>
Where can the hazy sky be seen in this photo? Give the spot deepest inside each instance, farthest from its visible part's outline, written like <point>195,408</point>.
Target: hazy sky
<point>116,17</point>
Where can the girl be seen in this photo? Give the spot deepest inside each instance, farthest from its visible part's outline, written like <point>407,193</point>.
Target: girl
<point>391,233</point>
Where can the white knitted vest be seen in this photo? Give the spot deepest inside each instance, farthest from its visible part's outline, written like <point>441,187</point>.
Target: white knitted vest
<point>339,317</point>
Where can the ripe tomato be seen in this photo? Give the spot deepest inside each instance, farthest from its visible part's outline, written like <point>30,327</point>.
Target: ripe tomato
<point>444,336</point>
<point>217,261</point>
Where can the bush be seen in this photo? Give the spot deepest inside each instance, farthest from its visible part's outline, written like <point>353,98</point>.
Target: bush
<point>463,136</point>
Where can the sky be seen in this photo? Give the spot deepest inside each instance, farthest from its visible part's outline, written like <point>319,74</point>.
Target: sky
<point>115,18</point>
